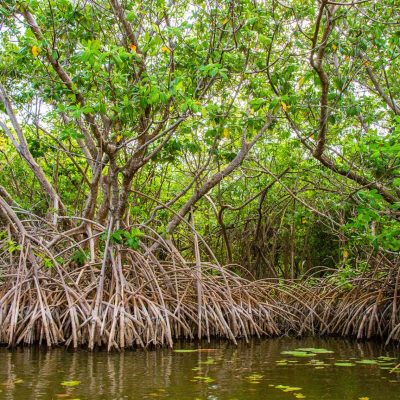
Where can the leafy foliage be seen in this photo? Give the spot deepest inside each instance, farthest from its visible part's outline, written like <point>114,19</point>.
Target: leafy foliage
<point>129,108</point>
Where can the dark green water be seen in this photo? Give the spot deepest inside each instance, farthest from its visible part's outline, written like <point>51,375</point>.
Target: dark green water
<point>223,371</point>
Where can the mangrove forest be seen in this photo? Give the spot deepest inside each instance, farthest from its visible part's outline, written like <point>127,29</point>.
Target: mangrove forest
<point>176,172</point>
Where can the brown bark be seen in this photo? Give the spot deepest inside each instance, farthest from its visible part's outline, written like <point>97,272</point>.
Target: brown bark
<point>316,61</point>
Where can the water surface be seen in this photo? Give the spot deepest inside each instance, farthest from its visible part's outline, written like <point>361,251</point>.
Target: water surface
<point>343,370</point>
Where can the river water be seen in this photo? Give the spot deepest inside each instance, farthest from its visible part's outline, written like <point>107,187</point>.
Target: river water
<point>270,369</point>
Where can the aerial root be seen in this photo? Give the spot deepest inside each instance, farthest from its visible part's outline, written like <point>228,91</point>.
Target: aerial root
<point>122,298</point>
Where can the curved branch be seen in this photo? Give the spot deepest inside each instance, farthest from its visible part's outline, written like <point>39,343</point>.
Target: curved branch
<point>23,150</point>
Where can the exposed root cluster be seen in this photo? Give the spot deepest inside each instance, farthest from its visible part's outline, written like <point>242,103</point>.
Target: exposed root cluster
<point>364,307</point>
<point>120,297</point>
<point>136,303</point>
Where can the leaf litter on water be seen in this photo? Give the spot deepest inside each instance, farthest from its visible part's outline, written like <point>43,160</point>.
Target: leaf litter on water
<point>70,383</point>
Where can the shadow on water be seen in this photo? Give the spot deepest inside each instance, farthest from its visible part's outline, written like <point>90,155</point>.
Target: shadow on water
<point>257,370</point>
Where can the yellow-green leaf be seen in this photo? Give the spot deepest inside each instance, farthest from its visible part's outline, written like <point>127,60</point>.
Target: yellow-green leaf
<point>285,107</point>
<point>35,51</point>
<point>70,383</point>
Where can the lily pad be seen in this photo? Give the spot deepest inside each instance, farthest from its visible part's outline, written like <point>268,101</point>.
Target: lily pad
<point>385,363</point>
<point>345,364</point>
<point>315,350</point>
<point>367,362</point>
<point>296,353</point>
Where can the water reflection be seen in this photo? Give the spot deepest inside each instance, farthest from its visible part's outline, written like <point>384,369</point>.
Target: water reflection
<point>220,371</point>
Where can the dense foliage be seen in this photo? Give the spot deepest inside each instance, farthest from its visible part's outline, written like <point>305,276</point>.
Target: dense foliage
<point>272,128</point>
